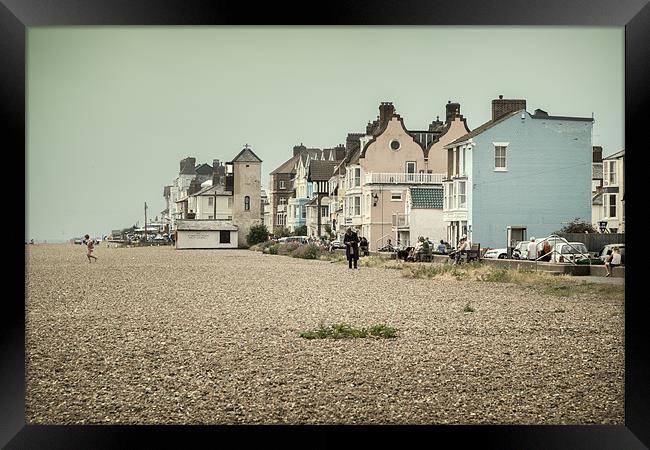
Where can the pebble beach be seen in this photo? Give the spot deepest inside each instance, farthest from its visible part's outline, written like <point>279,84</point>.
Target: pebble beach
<point>156,335</point>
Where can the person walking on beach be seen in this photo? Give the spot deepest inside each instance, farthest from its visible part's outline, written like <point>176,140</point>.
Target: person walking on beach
<point>351,241</point>
<point>90,246</point>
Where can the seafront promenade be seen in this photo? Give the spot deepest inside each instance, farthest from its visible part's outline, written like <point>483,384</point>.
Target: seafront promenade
<point>157,335</point>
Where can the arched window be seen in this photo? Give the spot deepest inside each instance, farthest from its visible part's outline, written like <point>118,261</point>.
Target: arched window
<point>247,203</point>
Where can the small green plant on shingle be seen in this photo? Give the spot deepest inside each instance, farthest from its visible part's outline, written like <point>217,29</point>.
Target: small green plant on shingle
<point>383,331</point>
<point>345,331</point>
<point>468,308</point>
<point>559,310</point>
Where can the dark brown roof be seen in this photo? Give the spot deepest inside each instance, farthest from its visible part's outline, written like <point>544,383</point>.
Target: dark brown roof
<point>288,166</point>
<point>486,126</point>
<point>321,170</point>
<point>246,154</point>
<point>203,169</point>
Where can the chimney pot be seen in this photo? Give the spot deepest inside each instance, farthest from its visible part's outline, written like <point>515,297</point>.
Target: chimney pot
<point>500,97</point>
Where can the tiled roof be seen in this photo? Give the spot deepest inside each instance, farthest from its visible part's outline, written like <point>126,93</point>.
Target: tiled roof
<point>616,155</point>
<point>246,155</point>
<point>597,199</point>
<point>426,197</point>
<point>288,166</point>
<point>321,170</point>
<point>203,169</point>
<point>486,126</point>
<point>425,138</point>
<point>596,171</point>
<point>205,225</point>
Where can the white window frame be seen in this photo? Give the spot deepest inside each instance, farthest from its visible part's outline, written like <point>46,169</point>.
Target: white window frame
<point>357,205</point>
<point>392,196</point>
<point>505,156</point>
<point>462,194</point>
<point>611,173</point>
<point>462,161</point>
<point>281,184</point>
<point>357,178</point>
<point>607,205</point>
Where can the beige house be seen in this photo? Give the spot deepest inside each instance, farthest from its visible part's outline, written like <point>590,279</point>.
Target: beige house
<point>390,159</point>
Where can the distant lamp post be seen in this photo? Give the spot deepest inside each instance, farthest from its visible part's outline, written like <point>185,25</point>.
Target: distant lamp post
<point>375,199</point>
<point>602,224</point>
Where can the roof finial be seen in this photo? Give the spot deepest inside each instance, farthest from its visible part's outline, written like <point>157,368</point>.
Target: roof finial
<point>245,145</point>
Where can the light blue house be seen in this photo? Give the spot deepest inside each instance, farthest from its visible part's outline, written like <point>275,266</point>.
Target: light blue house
<point>518,176</point>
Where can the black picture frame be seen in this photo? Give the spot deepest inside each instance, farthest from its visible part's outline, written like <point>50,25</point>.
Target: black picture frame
<point>17,15</point>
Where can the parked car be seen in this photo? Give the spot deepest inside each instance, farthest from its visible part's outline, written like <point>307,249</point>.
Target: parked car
<point>337,244</point>
<point>299,239</point>
<point>520,251</point>
<point>496,253</point>
<point>570,252</point>
<point>607,250</point>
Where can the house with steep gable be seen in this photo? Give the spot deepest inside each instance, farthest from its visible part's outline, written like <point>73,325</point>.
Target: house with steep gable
<point>527,173</point>
<point>389,160</point>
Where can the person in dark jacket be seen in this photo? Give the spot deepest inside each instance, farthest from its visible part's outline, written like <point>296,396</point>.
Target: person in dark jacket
<point>351,241</point>
<point>363,246</point>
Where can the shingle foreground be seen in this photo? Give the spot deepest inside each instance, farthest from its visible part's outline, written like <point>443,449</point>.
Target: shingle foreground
<point>154,335</point>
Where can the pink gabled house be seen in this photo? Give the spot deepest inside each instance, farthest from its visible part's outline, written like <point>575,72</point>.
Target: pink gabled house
<point>389,160</point>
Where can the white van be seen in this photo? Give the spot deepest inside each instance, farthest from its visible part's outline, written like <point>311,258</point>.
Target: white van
<point>569,252</point>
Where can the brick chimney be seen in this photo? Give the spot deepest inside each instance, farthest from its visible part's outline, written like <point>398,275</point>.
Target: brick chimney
<point>386,111</point>
<point>188,166</point>
<point>298,149</point>
<point>453,110</point>
<point>501,106</point>
<point>598,154</point>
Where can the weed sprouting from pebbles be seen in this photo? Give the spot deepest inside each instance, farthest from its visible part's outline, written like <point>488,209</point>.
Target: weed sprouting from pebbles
<point>468,308</point>
<point>345,331</point>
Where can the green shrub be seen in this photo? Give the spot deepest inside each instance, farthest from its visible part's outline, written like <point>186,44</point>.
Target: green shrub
<point>273,249</point>
<point>256,234</point>
<point>287,249</point>
<point>309,251</point>
<point>281,232</point>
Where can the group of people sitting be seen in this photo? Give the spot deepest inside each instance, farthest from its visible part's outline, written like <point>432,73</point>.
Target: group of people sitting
<point>464,245</point>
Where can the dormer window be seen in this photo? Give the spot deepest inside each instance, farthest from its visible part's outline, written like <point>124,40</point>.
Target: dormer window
<point>395,145</point>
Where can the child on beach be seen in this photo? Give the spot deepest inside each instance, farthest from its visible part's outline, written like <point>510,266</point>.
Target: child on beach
<point>90,246</point>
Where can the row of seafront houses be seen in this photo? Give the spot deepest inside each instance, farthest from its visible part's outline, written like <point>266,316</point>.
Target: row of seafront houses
<point>515,176</point>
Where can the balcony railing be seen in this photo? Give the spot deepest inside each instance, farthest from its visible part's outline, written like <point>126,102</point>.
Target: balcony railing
<point>404,178</point>
<point>400,220</point>
<point>282,208</point>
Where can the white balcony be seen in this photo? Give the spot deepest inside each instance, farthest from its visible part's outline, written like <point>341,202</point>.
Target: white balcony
<point>404,178</point>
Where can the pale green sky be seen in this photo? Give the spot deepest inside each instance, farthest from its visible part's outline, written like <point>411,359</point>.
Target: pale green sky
<point>112,110</point>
